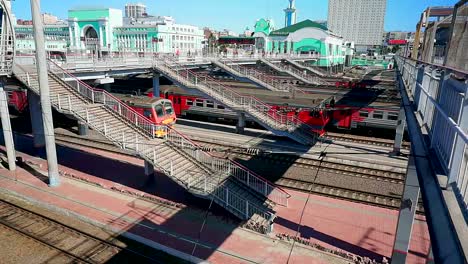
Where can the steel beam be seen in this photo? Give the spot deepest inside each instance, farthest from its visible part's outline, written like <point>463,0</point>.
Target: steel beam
<point>7,132</point>
<point>36,120</point>
<point>41,64</point>
<point>444,238</point>
<point>409,204</point>
<point>149,168</point>
<point>82,128</point>
<point>156,88</point>
<point>240,123</point>
<point>400,131</point>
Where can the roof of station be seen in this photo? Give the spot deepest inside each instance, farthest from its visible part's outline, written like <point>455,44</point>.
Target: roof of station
<point>293,28</point>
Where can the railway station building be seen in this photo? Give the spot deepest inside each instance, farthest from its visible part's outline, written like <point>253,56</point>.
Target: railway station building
<point>303,37</point>
<point>104,31</point>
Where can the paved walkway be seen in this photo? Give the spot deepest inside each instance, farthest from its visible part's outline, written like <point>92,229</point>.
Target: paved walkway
<point>342,225</point>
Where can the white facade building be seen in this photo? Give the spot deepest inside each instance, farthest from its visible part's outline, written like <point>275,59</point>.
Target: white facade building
<point>135,10</point>
<point>360,21</point>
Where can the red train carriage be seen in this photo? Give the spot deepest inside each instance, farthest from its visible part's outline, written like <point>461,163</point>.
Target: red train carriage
<point>348,113</point>
<point>17,98</point>
<point>158,110</point>
<point>187,103</point>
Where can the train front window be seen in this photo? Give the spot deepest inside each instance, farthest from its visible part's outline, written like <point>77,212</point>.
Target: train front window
<point>158,108</point>
<point>168,108</point>
<point>147,113</point>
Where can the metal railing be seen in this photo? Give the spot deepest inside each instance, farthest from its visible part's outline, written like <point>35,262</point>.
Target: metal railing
<point>440,97</point>
<point>256,108</point>
<point>212,184</point>
<point>241,173</point>
<point>257,76</point>
<point>295,72</point>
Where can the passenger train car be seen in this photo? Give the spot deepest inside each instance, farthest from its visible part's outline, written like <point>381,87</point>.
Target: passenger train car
<point>317,110</point>
<point>158,110</point>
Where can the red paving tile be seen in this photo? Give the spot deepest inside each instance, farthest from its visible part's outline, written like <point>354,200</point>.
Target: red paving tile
<point>352,227</point>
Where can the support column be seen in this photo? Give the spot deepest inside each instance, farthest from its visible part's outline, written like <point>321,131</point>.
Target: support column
<point>400,131</point>
<point>82,128</point>
<point>156,89</point>
<point>240,123</point>
<point>408,208</point>
<point>36,120</point>
<point>7,132</point>
<point>149,168</point>
<point>44,93</point>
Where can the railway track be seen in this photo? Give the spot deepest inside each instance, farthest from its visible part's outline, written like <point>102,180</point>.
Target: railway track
<point>74,244</point>
<point>370,198</point>
<point>364,140</point>
<point>379,200</point>
<point>307,163</point>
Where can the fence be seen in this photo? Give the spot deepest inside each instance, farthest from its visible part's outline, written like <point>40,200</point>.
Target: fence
<point>441,99</point>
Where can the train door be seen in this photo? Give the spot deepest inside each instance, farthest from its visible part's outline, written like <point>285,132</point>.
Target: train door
<point>177,104</point>
<point>343,119</point>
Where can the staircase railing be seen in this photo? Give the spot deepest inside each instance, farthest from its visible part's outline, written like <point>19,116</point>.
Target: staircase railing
<point>249,72</point>
<point>229,97</point>
<point>211,184</point>
<point>241,173</point>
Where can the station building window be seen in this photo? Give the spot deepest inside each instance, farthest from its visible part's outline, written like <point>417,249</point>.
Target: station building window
<point>221,107</point>
<point>189,102</point>
<point>209,104</point>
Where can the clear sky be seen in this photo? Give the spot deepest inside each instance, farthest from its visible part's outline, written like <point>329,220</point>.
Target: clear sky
<point>237,14</point>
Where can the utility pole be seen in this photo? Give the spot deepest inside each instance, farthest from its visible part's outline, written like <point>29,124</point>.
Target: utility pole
<point>41,64</point>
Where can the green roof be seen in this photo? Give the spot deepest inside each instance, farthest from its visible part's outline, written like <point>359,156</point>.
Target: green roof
<point>293,28</point>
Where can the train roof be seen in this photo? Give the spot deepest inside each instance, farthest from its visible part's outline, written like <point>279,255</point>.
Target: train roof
<point>267,96</point>
<point>137,100</point>
<point>301,100</point>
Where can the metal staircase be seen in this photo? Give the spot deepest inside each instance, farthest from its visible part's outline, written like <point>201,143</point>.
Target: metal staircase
<point>265,115</point>
<point>303,67</point>
<point>298,74</point>
<point>254,75</point>
<point>232,186</point>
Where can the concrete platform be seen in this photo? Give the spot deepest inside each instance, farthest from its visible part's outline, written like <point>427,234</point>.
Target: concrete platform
<point>173,218</point>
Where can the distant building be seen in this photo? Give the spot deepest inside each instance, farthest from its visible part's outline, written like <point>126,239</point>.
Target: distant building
<point>48,19</point>
<point>135,10</point>
<point>24,22</point>
<point>360,21</point>
<point>290,16</point>
<point>305,37</point>
<point>102,31</point>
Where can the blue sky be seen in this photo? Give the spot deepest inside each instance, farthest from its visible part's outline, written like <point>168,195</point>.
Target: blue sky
<point>237,14</point>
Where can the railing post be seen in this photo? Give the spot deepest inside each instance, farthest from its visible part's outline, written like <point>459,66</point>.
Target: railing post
<point>123,140</point>
<point>227,196</point>
<point>205,185</point>
<point>172,168</point>
<point>27,78</point>
<point>105,128</point>
<point>248,178</point>
<point>69,103</point>
<point>87,116</point>
<point>92,96</point>
<point>153,131</point>
<point>136,142</point>
<point>246,209</point>
<point>58,101</point>
<point>136,119</point>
